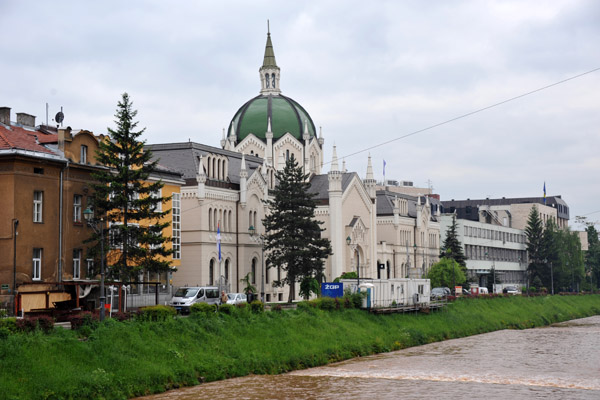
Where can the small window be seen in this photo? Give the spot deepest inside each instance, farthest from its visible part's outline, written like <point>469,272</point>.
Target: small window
<point>37,265</point>
<point>38,199</point>
<point>83,154</point>
<point>38,171</point>
<point>267,80</point>
<point>77,208</point>
<point>157,195</point>
<point>77,264</point>
<point>90,267</point>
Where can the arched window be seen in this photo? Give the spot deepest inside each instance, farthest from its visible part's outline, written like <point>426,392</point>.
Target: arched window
<point>208,166</point>
<point>215,220</point>
<point>210,219</point>
<point>287,155</point>
<point>218,169</point>
<point>254,262</point>
<point>225,221</point>
<point>389,269</point>
<point>273,81</point>
<point>211,272</point>
<point>213,168</point>
<point>229,222</point>
<point>267,80</point>
<point>220,217</point>
<point>227,270</point>
<point>250,220</point>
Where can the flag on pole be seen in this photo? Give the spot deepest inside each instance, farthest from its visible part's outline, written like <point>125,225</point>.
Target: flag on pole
<point>219,240</point>
<point>544,193</point>
<point>383,172</point>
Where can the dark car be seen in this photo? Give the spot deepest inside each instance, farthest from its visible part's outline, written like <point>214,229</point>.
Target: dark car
<point>438,293</point>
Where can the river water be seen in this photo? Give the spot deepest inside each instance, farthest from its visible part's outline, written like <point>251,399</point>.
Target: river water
<point>561,361</point>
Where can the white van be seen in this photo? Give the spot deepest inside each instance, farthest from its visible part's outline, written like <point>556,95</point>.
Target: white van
<point>483,290</point>
<point>184,297</point>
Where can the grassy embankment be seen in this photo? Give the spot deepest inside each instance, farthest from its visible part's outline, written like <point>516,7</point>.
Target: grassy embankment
<point>126,359</point>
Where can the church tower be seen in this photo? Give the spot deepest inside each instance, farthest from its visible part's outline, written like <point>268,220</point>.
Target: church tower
<point>272,124</point>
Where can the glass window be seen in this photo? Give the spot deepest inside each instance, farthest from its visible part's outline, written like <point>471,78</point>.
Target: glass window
<point>38,199</point>
<point>176,214</point>
<point>90,267</point>
<point>83,154</point>
<point>77,264</point>
<point>37,265</point>
<point>77,208</point>
<point>157,195</point>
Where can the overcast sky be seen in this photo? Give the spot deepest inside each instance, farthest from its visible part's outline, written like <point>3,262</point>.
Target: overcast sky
<point>367,72</point>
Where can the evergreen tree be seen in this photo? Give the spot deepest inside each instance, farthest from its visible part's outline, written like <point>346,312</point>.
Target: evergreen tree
<point>128,202</point>
<point>592,258</point>
<point>452,248</point>
<point>293,237</point>
<point>534,232</point>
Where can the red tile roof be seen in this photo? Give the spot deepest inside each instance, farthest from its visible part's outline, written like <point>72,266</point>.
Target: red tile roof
<point>22,139</point>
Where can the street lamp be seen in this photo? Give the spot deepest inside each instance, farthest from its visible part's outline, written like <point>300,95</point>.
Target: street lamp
<point>353,248</point>
<point>260,239</point>
<point>98,226</point>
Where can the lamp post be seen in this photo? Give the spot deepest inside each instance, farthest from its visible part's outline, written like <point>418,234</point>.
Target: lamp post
<point>98,226</point>
<point>353,248</point>
<point>260,239</point>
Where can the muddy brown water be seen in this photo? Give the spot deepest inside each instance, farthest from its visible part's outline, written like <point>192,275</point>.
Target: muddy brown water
<point>561,361</point>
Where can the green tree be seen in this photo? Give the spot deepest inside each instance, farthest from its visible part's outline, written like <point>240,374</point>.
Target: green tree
<point>534,232</point>
<point>128,202</point>
<point>249,288</point>
<point>592,257</point>
<point>293,236</point>
<point>446,273</point>
<point>452,248</point>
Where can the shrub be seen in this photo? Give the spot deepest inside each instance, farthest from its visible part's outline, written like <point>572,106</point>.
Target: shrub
<point>241,306</point>
<point>325,303</point>
<point>304,305</point>
<point>226,309</point>
<point>203,308</point>
<point>121,316</point>
<point>9,323</point>
<point>26,324</point>
<point>355,299</point>
<point>156,313</point>
<point>257,306</point>
<point>45,323</point>
<point>85,319</point>
<point>277,308</point>
<point>4,332</point>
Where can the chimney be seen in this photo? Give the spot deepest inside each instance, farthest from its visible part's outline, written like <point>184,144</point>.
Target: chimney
<point>5,115</point>
<point>26,119</point>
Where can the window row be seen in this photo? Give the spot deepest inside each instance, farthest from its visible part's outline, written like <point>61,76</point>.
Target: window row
<point>38,205</point>
<point>216,168</point>
<point>494,254</point>
<point>493,234</point>
<point>219,219</point>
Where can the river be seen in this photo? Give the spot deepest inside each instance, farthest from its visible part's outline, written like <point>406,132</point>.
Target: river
<point>561,361</point>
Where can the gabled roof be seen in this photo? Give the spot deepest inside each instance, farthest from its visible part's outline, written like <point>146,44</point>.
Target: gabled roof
<point>319,184</point>
<point>183,157</point>
<point>18,138</point>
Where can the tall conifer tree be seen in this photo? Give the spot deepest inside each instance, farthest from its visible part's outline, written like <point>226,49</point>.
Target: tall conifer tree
<point>534,231</point>
<point>452,248</point>
<point>293,237</point>
<point>128,202</point>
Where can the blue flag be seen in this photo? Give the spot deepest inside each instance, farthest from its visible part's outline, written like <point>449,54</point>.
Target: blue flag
<point>219,240</point>
<point>544,193</point>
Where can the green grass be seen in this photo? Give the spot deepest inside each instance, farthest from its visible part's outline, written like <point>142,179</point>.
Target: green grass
<point>127,359</point>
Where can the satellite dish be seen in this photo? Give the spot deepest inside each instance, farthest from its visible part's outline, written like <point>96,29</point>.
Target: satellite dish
<point>59,118</point>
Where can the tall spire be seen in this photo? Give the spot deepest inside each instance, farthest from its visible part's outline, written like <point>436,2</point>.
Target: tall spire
<point>334,161</point>
<point>269,72</point>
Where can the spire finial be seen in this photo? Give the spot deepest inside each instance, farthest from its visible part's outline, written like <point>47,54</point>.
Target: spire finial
<point>268,28</point>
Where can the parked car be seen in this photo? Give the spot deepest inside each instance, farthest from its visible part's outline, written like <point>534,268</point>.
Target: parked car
<point>185,297</point>
<point>511,290</point>
<point>236,298</point>
<point>438,293</point>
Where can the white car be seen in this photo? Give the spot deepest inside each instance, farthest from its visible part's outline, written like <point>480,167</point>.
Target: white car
<point>236,298</point>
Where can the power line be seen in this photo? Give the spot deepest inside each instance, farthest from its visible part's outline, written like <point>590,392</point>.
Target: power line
<point>468,114</point>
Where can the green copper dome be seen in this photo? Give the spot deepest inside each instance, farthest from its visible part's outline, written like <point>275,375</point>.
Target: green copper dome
<point>286,116</point>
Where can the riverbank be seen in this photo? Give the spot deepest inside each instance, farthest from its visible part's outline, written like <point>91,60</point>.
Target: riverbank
<point>127,359</point>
